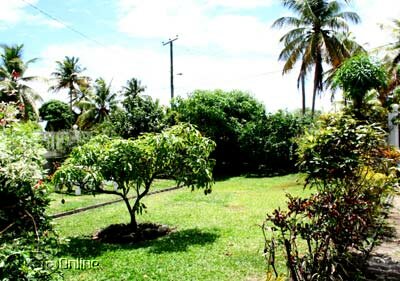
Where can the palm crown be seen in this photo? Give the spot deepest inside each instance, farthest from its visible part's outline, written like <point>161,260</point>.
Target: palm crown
<point>68,76</point>
<point>316,38</point>
<point>14,85</point>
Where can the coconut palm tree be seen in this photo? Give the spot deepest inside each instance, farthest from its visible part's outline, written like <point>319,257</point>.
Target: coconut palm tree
<point>314,39</point>
<point>97,105</point>
<point>14,85</point>
<point>133,88</point>
<point>68,76</point>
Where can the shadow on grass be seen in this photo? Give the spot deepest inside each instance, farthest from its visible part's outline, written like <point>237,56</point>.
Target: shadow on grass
<point>85,247</point>
<point>180,241</point>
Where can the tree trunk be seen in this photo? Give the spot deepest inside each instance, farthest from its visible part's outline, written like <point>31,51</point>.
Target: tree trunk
<point>70,97</point>
<point>313,102</point>
<point>303,93</point>
<point>133,223</point>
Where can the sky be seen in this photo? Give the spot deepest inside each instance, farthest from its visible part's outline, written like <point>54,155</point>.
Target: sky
<point>222,44</point>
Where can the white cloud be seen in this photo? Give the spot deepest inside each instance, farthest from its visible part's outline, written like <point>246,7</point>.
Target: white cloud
<point>239,4</point>
<point>196,25</point>
<point>13,12</point>
<point>261,77</point>
<point>373,13</point>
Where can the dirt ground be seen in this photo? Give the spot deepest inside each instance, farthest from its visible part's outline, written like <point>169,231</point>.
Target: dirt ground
<point>384,263</point>
<point>391,245</point>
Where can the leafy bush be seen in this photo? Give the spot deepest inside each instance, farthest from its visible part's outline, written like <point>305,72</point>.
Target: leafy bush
<point>8,114</point>
<point>179,152</point>
<point>140,115</point>
<point>58,115</point>
<point>345,164</point>
<point>248,140</point>
<point>356,77</point>
<point>268,145</point>
<point>222,117</point>
<point>25,231</point>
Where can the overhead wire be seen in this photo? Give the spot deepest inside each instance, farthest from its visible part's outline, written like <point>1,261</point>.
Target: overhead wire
<point>88,38</point>
<point>63,23</point>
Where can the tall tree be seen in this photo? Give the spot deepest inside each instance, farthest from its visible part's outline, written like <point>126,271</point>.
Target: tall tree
<point>133,88</point>
<point>68,76</point>
<point>315,38</point>
<point>14,85</point>
<point>97,105</point>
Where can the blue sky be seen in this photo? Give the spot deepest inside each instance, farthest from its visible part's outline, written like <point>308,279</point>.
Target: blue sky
<point>225,44</point>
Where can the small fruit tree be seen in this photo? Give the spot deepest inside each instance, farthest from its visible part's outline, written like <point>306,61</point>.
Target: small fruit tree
<point>179,152</point>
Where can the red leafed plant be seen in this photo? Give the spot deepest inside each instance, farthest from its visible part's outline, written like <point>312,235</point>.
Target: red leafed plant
<point>351,175</point>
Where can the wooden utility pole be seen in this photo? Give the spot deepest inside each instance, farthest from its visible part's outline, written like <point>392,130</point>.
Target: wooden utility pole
<point>171,54</point>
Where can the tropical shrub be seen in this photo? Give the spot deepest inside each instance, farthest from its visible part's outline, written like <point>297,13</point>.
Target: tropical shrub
<point>221,116</point>
<point>268,145</point>
<point>140,114</point>
<point>58,115</point>
<point>345,165</point>
<point>180,153</point>
<point>26,239</point>
<point>357,76</point>
<point>8,114</point>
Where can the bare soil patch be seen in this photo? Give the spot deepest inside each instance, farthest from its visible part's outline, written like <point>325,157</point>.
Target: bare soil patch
<point>124,233</point>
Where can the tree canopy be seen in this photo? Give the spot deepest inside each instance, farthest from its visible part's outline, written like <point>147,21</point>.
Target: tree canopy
<point>179,152</point>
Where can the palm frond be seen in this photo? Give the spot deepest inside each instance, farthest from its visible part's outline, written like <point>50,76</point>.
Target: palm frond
<point>286,21</point>
<point>293,35</point>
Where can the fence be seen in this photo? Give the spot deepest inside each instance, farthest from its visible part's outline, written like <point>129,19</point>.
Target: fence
<point>62,142</point>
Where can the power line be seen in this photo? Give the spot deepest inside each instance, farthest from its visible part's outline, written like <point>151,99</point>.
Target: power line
<point>63,23</point>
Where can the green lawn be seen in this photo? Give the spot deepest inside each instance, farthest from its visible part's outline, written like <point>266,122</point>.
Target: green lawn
<point>72,201</point>
<point>217,237</point>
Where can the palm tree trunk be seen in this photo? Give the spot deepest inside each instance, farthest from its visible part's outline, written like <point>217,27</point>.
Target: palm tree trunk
<point>318,73</point>
<point>313,101</point>
<point>303,93</point>
<point>71,90</point>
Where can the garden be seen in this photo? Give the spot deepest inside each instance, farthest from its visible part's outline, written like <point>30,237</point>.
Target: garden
<point>210,187</point>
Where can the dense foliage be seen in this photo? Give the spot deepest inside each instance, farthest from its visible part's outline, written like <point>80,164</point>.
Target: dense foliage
<point>248,140</point>
<point>357,76</point>
<point>97,105</point>
<point>57,114</point>
<point>180,153</point>
<point>25,231</point>
<point>140,114</point>
<point>222,117</point>
<point>268,146</point>
<point>346,165</point>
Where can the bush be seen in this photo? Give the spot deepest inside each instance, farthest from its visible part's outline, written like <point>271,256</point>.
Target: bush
<point>345,164</point>
<point>25,230</point>
<point>357,77</point>
<point>268,145</point>
<point>140,115</point>
<point>222,117</point>
<point>58,115</point>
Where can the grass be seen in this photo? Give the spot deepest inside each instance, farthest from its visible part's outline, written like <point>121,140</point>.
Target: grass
<point>217,237</point>
<point>73,202</point>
